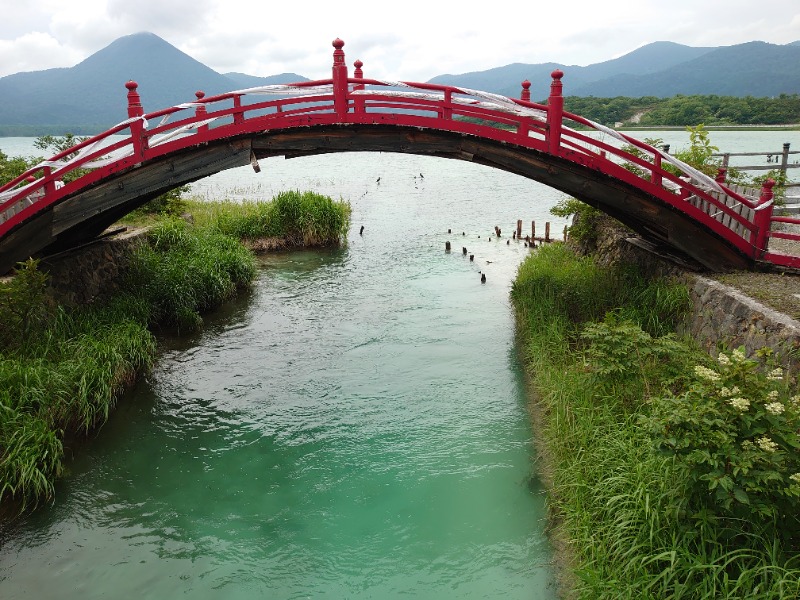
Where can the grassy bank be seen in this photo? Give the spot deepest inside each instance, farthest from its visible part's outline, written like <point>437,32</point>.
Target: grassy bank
<point>671,474</point>
<point>62,369</point>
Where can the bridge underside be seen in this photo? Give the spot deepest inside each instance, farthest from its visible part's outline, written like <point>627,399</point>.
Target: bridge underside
<point>82,217</point>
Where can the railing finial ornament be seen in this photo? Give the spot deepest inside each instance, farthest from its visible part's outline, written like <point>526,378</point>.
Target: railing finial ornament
<point>134,100</point>
<point>338,54</point>
<point>526,91</point>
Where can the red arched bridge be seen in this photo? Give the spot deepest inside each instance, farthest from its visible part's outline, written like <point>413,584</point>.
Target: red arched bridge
<point>76,195</point>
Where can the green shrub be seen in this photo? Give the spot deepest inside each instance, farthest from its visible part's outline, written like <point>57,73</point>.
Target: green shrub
<point>734,433</point>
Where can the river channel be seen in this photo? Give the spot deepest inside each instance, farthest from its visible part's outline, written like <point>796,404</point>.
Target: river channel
<point>354,427</point>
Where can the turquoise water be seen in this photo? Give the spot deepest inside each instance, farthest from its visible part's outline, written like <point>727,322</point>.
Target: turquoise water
<point>354,427</point>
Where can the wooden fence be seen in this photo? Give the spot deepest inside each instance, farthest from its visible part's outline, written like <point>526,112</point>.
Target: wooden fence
<point>779,160</point>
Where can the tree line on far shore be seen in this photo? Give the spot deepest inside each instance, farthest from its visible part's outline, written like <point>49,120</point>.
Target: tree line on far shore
<point>682,111</point>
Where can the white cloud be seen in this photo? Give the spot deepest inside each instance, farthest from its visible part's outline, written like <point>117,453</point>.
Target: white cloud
<point>416,40</point>
<point>35,51</point>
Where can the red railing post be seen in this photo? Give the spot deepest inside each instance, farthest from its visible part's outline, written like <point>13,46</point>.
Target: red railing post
<point>137,126</point>
<point>49,183</point>
<point>358,74</point>
<point>238,115</point>
<point>525,95</point>
<point>763,218</point>
<point>722,173</point>
<point>447,109</point>
<point>339,79</point>
<point>555,111</point>
<point>655,173</point>
<point>200,111</point>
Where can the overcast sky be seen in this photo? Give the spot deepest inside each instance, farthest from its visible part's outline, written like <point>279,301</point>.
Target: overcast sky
<point>412,40</point>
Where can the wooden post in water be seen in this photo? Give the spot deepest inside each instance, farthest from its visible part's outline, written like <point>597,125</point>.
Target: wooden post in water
<point>565,232</point>
<point>547,231</point>
<point>785,161</point>
<point>519,228</point>
<point>533,230</point>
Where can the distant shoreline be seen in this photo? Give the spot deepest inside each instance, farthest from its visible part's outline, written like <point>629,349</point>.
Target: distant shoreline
<point>787,127</point>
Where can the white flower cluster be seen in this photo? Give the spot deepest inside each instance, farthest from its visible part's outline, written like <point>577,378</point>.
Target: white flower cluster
<point>795,477</point>
<point>766,444</point>
<point>738,355</point>
<point>728,392</point>
<point>773,395</point>
<point>706,373</point>
<point>740,404</point>
<point>795,400</point>
<point>723,359</point>
<point>776,374</point>
<point>775,408</point>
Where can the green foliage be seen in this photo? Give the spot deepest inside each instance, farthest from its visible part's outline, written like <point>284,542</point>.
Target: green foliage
<point>25,307</point>
<point>185,270</point>
<point>622,357</point>
<point>171,203</point>
<point>60,371</point>
<point>584,223</point>
<point>31,457</point>
<point>581,291</point>
<point>734,433</point>
<point>57,144</point>
<point>11,168</point>
<point>298,218</point>
<point>636,519</point>
<point>683,111</point>
<point>698,154</point>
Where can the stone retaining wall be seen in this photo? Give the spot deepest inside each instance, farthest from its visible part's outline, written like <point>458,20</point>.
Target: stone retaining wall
<point>81,275</point>
<point>722,316</point>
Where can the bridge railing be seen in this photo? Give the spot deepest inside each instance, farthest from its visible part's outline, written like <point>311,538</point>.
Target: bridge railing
<point>743,221</point>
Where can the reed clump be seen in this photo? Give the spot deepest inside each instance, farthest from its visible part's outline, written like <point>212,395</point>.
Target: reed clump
<point>672,475</point>
<point>293,217</point>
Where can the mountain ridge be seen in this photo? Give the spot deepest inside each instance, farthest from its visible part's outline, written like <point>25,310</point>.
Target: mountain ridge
<point>90,96</point>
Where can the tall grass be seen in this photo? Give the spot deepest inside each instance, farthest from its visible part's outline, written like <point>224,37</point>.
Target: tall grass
<point>621,503</point>
<point>60,373</point>
<point>186,270</point>
<point>299,218</point>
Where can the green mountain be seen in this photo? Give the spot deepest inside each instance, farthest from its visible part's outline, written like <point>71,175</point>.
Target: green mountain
<point>506,80</point>
<point>91,96</point>
<point>753,69</point>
